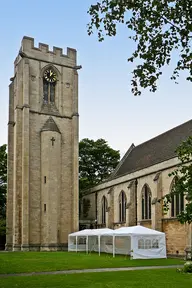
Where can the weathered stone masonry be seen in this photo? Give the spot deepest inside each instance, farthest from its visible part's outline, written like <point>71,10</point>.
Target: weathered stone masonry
<point>42,200</point>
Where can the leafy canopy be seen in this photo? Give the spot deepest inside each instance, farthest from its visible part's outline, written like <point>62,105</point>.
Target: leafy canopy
<point>157,26</point>
<point>96,162</point>
<point>183,184</point>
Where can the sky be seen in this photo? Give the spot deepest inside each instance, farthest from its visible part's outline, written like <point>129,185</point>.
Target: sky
<point>107,107</point>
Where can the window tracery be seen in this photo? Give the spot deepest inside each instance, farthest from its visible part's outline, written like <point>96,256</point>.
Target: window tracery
<point>146,203</point>
<point>122,207</point>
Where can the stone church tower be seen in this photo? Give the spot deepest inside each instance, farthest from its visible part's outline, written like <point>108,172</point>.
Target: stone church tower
<point>42,201</point>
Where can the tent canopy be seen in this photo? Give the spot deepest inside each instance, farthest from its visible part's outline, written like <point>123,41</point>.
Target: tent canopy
<point>81,233</point>
<point>92,232</point>
<point>136,230</point>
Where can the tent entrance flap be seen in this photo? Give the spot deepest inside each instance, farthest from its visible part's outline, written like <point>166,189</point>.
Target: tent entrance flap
<point>123,245</point>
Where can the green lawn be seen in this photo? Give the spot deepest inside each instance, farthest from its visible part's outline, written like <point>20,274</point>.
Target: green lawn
<point>17,262</point>
<point>146,279</point>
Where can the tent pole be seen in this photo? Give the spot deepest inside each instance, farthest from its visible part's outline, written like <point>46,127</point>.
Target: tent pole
<point>76,244</point>
<point>68,242</point>
<point>99,245</point>
<point>87,244</point>
<point>113,245</point>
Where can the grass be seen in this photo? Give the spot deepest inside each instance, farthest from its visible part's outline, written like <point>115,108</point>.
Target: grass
<point>18,262</point>
<point>146,279</point>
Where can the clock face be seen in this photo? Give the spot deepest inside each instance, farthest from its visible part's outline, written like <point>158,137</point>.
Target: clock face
<point>50,76</point>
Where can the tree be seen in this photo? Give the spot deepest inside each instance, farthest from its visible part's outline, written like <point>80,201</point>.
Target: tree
<point>3,187</point>
<point>157,26</point>
<point>183,183</point>
<point>96,162</point>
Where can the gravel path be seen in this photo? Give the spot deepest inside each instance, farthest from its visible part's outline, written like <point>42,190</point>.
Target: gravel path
<point>91,270</point>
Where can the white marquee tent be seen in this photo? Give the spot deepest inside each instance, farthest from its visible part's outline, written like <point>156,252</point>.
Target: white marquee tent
<point>89,240</point>
<point>137,241</point>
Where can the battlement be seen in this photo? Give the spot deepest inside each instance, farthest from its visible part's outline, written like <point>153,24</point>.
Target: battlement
<point>28,47</point>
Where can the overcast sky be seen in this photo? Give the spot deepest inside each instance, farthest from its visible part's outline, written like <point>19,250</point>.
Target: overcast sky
<point>107,108</point>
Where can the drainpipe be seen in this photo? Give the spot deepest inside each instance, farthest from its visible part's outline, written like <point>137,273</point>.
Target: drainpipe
<point>96,209</point>
<point>136,183</point>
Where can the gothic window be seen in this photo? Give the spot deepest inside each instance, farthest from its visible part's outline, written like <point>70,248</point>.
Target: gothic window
<point>177,201</point>
<point>104,210</point>
<point>52,92</point>
<point>49,85</point>
<point>146,203</point>
<point>45,90</point>
<point>122,207</point>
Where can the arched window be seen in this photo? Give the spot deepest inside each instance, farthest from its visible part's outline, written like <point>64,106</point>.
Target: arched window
<point>177,201</point>
<point>122,207</point>
<point>146,202</point>
<point>104,210</point>
<point>49,85</point>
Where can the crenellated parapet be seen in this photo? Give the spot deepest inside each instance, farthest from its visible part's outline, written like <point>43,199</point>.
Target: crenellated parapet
<point>42,52</point>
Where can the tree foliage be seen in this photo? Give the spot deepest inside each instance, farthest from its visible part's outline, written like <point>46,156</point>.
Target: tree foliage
<point>157,26</point>
<point>3,180</point>
<point>183,185</point>
<point>96,162</point>
<point>2,226</point>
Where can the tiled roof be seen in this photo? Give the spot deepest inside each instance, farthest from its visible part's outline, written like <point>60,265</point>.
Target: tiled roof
<point>156,150</point>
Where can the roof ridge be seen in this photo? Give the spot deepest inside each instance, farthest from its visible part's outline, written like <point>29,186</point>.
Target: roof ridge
<point>122,161</point>
<point>155,150</point>
<point>159,135</point>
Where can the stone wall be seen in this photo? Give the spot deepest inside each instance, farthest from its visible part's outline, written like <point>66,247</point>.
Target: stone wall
<point>156,177</point>
<point>176,236</point>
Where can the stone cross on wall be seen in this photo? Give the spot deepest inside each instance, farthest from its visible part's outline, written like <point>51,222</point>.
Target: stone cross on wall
<point>52,140</point>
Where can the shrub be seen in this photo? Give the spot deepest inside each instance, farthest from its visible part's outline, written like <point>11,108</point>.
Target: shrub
<point>188,267</point>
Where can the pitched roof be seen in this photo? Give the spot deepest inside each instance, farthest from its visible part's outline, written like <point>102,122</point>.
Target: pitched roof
<point>50,125</point>
<point>156,150</point>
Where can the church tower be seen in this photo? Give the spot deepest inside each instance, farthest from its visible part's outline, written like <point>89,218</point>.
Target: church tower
<point>42,200</point>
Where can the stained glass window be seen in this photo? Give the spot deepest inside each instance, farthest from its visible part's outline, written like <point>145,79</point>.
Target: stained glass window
<point>177,201</point>
<point>104,210</point>
<point>122,207</point>
<point>146,203</point>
